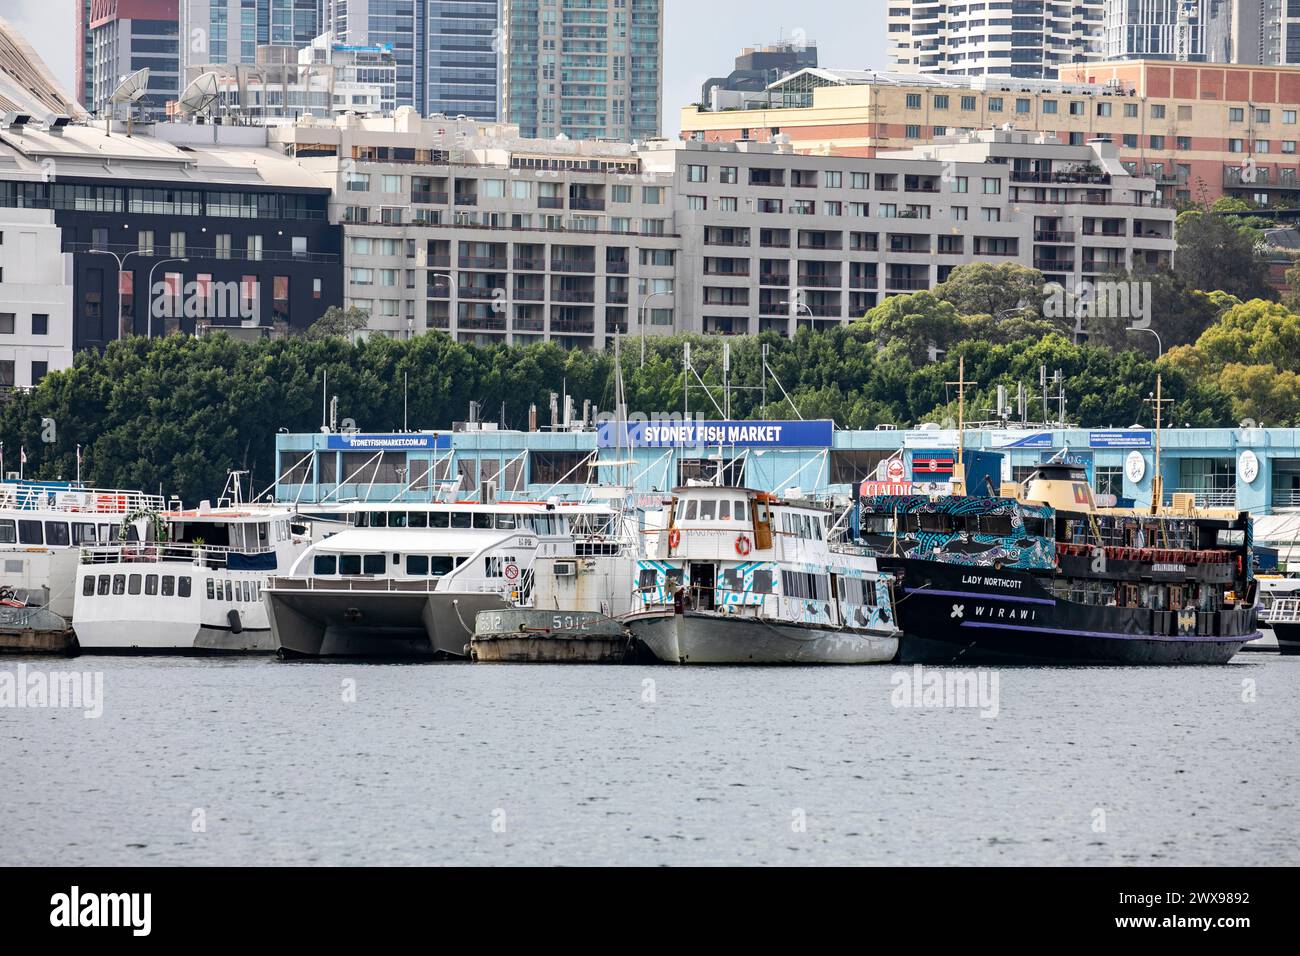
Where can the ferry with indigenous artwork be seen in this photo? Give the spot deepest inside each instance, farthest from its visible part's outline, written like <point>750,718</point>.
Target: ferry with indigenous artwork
<point>743,577</point>
<point>1040,575</point>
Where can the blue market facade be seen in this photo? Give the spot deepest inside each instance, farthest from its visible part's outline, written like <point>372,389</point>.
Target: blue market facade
<point>1252,469</point>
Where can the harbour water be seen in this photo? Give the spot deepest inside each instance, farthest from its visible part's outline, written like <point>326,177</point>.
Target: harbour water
<point>203,762</point>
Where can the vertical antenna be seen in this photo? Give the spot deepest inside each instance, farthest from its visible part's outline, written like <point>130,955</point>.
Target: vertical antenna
<point>1158,480</point>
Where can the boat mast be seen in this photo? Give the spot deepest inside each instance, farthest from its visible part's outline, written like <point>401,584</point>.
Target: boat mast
<point>959,467</point>
<point>1157,479</point>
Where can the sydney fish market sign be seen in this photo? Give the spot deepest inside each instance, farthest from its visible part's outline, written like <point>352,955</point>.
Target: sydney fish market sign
<point>694,434</point>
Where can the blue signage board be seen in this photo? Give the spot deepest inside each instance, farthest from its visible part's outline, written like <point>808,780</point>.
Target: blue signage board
<point>360,442</point>
<point>1120,438</point>
<point>693,434</point>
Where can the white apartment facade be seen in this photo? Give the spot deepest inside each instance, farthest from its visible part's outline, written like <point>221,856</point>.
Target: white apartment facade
<point>36,296</point>
<point>1029,39</point>
<point>773,240</point>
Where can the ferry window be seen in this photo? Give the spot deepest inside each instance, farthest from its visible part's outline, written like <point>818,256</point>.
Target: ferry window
<point>417,565</point>
<point>82,533</point>
<point>731,581</point>
<point>999,525</point>
<point>647,578</point>
<point>418,519</point>
<point>8,534</point>
<point>740,511</point>
<point>460,561</point>
<point>935,523</point>
<point>248,592</point>
<point>397,520</point>
<point>1037,527</point>
<point>483,521</point>
<point>263,531</point>
<point>692,509</point>
<point>134,583</point>
<point>378,519</point>
<point>151,584</point>
<point>724,510</point>
<point>461,519</point>
<point>681,510</point>
<point>374,563</point>
<point>88,585</point>
<point>168,585</point>
<point>56,532</point>
<point>507,522</point>
<point>106,533</point>
<point>325,564</point>
<point>29,532</point>
<point>183,586</point>
<point>1230,538</point>
<point>440,565</point>
<point>349,564</point>
<point>363,519</point>
<point>103,584</point>
<point>707,510</point>
<point>673,578</point>
<point>211,595</point>
<point>440,519</point>
<point>229,596</point>
<point>762,582</point>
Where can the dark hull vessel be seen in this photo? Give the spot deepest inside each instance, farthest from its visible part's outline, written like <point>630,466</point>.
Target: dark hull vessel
<point>954,614</point>
<point>1288,638</point>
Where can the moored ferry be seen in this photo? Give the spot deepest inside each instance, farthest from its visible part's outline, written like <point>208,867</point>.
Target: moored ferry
<point>408,580</point>
<point>743,577</point>
<point>1043,575</point>
<point>192,585</point>
<point>44,526</point>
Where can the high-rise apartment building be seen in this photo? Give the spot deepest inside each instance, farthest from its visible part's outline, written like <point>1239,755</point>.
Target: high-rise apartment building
<point>446,50</point>
<point>1020,38</point>
<point>123,36</point>
<point>230,31</point>
<point>1156,29</point>
<point>589,72</point>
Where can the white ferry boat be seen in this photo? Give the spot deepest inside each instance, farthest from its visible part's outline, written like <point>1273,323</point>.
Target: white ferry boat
<point>408,580</point>
<point>44,525</point>
<point>194,585</point>
<point>741,577</point>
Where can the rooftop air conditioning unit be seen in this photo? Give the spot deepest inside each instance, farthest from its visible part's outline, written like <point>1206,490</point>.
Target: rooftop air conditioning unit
<point>566,569</point>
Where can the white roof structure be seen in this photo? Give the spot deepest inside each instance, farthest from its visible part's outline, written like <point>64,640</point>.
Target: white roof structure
<point>26,84</point>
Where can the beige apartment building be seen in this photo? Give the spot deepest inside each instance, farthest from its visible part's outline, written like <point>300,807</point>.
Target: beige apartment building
<point>1199,130</point>
<point>470,229</point>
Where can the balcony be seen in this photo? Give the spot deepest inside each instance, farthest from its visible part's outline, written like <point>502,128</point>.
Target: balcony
<point>819,282</point>
<point>550,202</point>
<point>529,294</point>
<point>476,292</point>
<point>482,325</point>
<point>574,265</point>
<point>481,262</point>
<point>900,284</point>
<point>466,199</point>
<point>573,295</point>
<point>1206,497</point>
<point>528,325</point>
<point>439,262</point>
<point>530,265</point>
<point>429,198</point>
<point>617,266</point>
<point>780,280</point>
<point>572,327</point>
<point>581,202</point>
<point>1059,178</point>
<point>1054,265</point>
<point>1053,238</point>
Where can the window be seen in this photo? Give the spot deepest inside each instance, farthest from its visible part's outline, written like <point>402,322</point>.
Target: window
<point>119,584</point>
<point>103,585</point>
<point>151,584</point>
<point>88,585</point>
<point>56,533</point>
<point>995,104</point>
<point>833,179</point>
<point>6,323</point>
<point>1103,108</point>
<point>697,174</point>
<point>1157,142</point>
<point>7,532</point>
<point>941,101</point>
<point>1022,105</point>
<point>1183,143</point>
<point>349,565</point>
<point>912,132</point>
<point>183,587</point>
<point>968,104</point>
<point>374,564</point>
<point>1130,110</point>
<point>992,186</point>
<point>1262,116</point>
<point>168,585</point>
<point>417,565</point>
<point>1049,106</point>
<point>960,184</point>
<point>729,175</point>
<point>40,323</point>
<point>1288,117</point>
<point>30,532</point>
<point>913,101</point>
<point>1157,111</point>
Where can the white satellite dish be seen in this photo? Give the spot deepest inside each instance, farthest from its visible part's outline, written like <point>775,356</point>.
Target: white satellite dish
<point>200,94</point>
<point>132,88</point>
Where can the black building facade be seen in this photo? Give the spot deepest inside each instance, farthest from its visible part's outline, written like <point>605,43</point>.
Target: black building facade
<point>254,254</point>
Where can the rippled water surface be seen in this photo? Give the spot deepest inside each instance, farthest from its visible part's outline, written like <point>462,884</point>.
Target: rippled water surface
<point>462,764</point>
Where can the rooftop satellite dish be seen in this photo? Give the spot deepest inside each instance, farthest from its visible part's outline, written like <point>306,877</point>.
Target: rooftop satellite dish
<point>132,88</point>
<point>200,94</point>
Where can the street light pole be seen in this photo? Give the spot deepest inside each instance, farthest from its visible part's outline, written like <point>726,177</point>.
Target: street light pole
<point>645,303</point>
<point>120,260</point>
<point>1160,345</point>
<point>160,262</point>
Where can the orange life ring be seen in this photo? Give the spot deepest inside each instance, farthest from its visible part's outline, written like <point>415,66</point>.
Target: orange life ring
<point>743,546</point>
<point>674,538</point>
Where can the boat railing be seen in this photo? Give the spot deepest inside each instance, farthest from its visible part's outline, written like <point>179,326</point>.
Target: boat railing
<point>114,501</point>
<point>376,585</point>
<point>1284,611</point>
<point>200,555</point>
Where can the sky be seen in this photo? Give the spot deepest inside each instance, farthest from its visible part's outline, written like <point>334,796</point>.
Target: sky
<point>702,37</point>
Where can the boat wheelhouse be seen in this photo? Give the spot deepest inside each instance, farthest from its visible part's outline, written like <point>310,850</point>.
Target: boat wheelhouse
<point>408,580</point>
<point>741,576</point>
<point>1042,575</point>
<point>194,584</point>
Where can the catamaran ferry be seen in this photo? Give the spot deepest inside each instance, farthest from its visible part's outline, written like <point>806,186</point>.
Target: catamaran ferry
<point>193,585</point>
<point>742,577</point>
<point>408,580</point>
